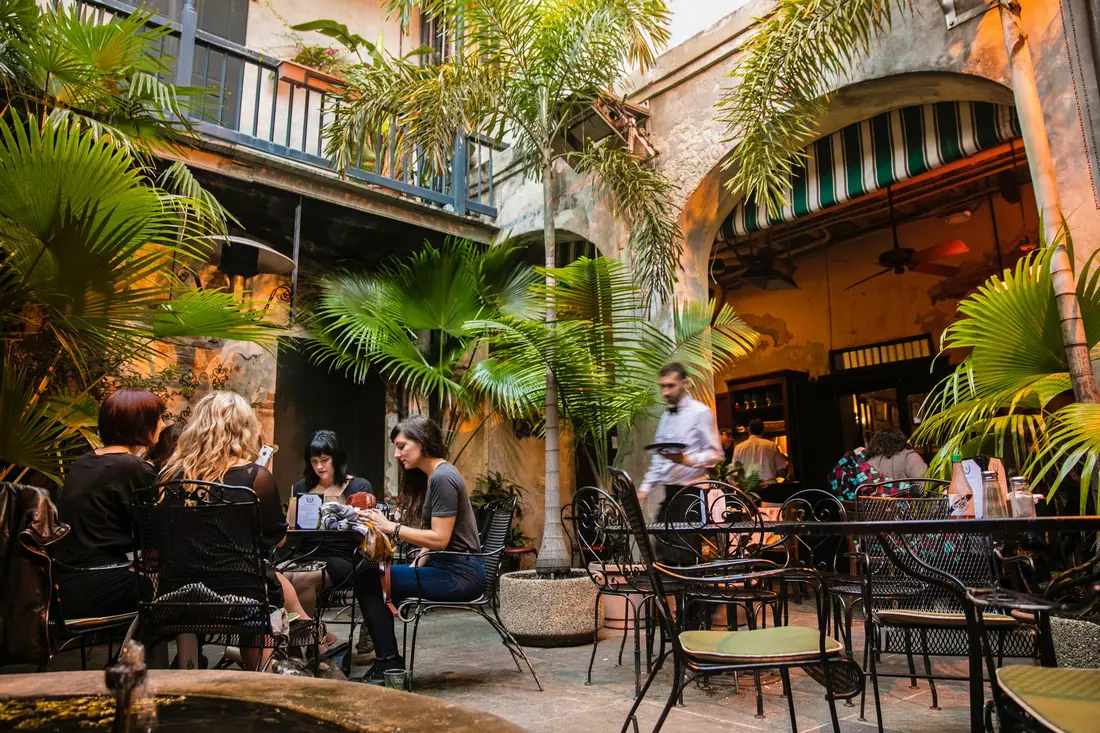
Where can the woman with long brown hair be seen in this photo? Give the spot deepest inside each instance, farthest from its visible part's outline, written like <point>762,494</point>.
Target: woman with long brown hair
<point>434,497</point>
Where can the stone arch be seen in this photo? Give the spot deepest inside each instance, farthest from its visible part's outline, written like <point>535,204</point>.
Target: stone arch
<point>711,202</point>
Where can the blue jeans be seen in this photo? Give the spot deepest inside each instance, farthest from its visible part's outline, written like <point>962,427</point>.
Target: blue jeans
<point>447,578</point>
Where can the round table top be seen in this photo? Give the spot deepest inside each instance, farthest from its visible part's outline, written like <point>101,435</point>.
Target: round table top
<point>351,705</point>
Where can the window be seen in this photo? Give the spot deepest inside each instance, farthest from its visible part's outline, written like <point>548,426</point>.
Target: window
<point>434,33</point>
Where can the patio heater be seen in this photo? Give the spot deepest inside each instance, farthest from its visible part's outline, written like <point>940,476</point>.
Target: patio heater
<point>242,258</point>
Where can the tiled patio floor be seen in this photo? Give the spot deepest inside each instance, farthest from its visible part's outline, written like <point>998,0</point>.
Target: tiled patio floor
<point>459,658</point>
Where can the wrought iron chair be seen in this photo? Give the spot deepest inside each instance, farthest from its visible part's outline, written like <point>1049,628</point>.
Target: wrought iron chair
<point>703,505</point>
<point>1045,698</point>
<point>701,652</point>
<point>341,596</point>
<point>410,610</point>
<point>613,567</point>
<point>913,488</point>
<point>895,607</point>
<point>66,632</point>
<point>202,553</point>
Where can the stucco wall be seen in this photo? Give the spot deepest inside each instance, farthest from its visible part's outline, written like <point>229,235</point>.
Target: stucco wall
<point>269,34</point>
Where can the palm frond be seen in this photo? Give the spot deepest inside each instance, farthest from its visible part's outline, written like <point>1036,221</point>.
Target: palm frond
<point>640,195</point>
<point>778,95</point>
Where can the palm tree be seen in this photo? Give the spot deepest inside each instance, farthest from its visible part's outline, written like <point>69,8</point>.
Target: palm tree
<point>604,352</point>
<point>800,47</point>
<point>1009,397</point>
<point>524,69</point>
<point>92,235</point>
<point>410,321</point>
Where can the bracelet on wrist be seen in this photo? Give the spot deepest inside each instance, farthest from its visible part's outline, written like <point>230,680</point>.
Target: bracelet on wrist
<point>397,531</point>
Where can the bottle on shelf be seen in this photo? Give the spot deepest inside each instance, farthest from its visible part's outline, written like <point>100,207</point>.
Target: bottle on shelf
<point>1020,497</point>
<point>994,501</point>
<point>960,497</point>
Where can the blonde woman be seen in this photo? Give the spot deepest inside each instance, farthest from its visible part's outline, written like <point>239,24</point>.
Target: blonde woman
<point>220,444</point>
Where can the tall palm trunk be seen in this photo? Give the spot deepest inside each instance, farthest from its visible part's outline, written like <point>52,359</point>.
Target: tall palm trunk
<point>1037,145</point>
<point>553,555</point>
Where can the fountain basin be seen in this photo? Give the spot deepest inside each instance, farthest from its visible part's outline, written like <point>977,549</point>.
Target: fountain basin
<point>236,702</point>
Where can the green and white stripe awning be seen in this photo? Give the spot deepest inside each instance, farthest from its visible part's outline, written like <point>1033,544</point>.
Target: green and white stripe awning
<point>880,152</point>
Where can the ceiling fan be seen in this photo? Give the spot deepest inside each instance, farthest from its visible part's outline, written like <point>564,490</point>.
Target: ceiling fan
<point>899,259</point>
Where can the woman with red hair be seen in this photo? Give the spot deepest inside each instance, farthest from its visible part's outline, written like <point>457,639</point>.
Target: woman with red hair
<point>93,571</point>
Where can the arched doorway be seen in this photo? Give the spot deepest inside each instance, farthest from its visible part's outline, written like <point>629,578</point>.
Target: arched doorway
<point>852,284</point>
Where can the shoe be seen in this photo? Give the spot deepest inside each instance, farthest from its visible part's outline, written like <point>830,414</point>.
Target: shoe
<point>376,672</point>
<point>364,650</point>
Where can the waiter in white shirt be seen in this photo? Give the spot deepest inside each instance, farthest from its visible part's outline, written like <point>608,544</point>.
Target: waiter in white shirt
<point>686,421</point>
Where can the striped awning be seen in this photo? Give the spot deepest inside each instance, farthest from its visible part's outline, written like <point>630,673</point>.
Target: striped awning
<point>879,152</point>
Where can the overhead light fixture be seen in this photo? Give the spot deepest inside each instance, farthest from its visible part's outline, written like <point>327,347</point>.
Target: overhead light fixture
<point>242,258</point>
<point>958,217</point>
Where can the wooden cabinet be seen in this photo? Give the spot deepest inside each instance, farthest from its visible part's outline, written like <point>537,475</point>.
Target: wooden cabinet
<point>774,399</point>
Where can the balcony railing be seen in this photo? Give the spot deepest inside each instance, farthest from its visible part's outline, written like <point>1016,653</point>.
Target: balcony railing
<point>254,101</point>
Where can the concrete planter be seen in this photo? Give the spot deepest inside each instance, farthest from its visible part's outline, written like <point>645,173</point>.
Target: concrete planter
<point>1076,642</point>
<point>544,612</point>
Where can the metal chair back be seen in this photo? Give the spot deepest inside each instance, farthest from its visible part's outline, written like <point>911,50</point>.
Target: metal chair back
<point>604,541</point>
<point>913,488</point>
<point>704,504</point>
<point>202,553</point>
<point>817,552</point>
<point>498,527</point>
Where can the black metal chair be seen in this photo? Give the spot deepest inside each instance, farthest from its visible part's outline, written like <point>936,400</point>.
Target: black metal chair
<point>702,652</point>
<point>914,488</point>
<point>1045,698</point>
<point>203,557</point>
<point>410,610</point>
<point>611,562</point>
<point>896,605</point>
<point>87,632</point>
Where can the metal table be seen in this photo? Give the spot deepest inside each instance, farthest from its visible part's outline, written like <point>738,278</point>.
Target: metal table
<point>892,536</point>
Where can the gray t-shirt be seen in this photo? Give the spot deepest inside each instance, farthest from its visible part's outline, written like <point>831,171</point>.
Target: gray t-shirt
<point>447,497</point>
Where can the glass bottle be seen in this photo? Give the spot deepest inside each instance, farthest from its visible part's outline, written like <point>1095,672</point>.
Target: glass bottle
<point>960,497</point>
<point>994,501</point>
<point>1020,498</point>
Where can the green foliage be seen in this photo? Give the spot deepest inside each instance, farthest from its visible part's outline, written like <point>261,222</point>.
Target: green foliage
<point>493,487</point>
<point>781,83</point>
<point>521,69</point>
<point>603,353</point>
<point>92,238</point>
<point>410,321</point>
<point>1009,396</point>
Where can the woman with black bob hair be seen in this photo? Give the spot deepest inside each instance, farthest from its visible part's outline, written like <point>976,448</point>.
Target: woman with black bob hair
<point>325,473</point>
<point>437,516</point>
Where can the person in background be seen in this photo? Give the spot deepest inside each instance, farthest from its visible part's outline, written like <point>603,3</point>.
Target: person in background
<point>890,454</point>
<point>96,502</point>
<point>159,454</point>
<point>326,474</point>
<point>758,454</point>
<point>439,516</point>
<point>686,421</point>
<point>726,436</point>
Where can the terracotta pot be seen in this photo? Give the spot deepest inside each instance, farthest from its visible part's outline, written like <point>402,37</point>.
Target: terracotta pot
<point>315,79</point>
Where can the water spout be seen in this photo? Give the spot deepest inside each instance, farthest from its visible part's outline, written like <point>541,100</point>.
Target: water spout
<point>135,709</point>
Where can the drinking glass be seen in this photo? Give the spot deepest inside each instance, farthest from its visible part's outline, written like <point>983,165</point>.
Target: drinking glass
<point>395,679</point>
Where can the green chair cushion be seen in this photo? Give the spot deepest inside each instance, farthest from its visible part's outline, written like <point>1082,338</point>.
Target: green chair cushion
<point>778,644</point>
<point>938,619</point>
<point>1062,698</point>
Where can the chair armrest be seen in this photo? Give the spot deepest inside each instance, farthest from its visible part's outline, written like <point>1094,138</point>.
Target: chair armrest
<point>691,570</point>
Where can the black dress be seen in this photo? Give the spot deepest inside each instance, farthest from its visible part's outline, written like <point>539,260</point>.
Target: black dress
<point>272,519</point>
<point>97,504</point>
<point>337,554</point>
